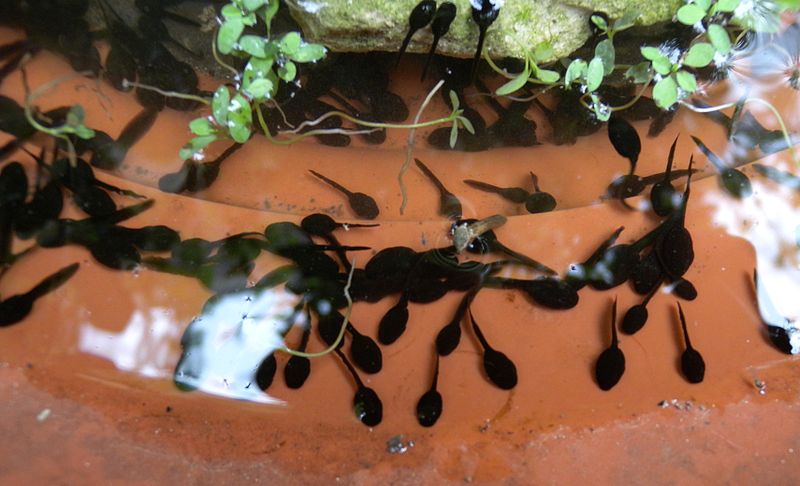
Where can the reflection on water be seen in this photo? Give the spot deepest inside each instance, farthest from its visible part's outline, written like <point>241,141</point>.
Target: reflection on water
<point>769,220</point>
<point>223,348</point>
<point>146,346</point>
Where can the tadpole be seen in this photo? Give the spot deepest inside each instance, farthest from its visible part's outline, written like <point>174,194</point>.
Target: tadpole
<point>684,289</point>
<point>663,194</point>
<point>610,364</point>
<point>363,205</point>
<point>265,373</point>
<point>429,406</point>
<point>733,181</point>
<point>450,335</point>
<point>111,154</point>
<point>499,369</point>
<point>625,140</point>
<point>516,195</point>
<point>366,403</point>
<point>484,16</point>
<point>636,317</point>
<point>674,246</point>
<point>393,323</point>
<point>449,205</point>
<point>297,368</point>
<point>539,201</point>
<point>420,16</point>
<point>692,364</point>
<point>17,307</point>
<point>365,353</point>
<point>444,16</point>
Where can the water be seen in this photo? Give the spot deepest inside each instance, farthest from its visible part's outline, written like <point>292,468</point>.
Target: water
<point>178,319</point>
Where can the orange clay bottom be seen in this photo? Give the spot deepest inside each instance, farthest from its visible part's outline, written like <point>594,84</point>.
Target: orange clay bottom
<point>71,415</point>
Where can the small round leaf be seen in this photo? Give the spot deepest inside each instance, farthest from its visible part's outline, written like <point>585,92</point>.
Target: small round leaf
<point>699,55</point>
<point>665,92</point>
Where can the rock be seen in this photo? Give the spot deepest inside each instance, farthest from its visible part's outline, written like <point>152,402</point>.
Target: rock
<point>380,25</point>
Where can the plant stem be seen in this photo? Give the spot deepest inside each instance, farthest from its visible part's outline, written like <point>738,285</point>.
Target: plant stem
<point>410,145</point>
<point>345,321</point>
<point>170,94</point>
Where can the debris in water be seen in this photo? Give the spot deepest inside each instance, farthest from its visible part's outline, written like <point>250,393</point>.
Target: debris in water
<point>43,415</point>
<point>395,445</point>
<point>761,386</point>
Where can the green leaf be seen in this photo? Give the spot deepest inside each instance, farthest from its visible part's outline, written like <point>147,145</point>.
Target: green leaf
<point>454,100</point>
<point>288,71</point>
<point>228,35</point>
<point>699,55</point>
<point>719,38</point>
<point>547,76</point>
<point>726,5</point>
<point>651,53</point>
<point>240,117</point>
<point>253,45</point>
<point>453,135</point>
<point>290,43</point>
<point>259,67</point>
<point>627,21</point>
<point>665,92</point>
<point>219,105</point>
<point>543,52</point>
<point>600,22</point>
<point>253,5</point>
<point>514,84</point>
<point>686,81</point>
<point>249,19</point>
<point>467,124</point>
<point>83,132</point>
<point>690,14</point>
<point>195,145</point>
<point>231,11</point>
<point>594,74</point>
<point>575,70</point>
<point>269,12</point>
<point>201,126</point>
<point>639,73</point>
<point>259,88</point>
<point>605,51</point>
<point>662,65</point>
<point>704,4</point>
<point>309,53</point>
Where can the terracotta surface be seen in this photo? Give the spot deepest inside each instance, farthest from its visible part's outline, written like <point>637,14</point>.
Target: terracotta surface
<point>128,423</point>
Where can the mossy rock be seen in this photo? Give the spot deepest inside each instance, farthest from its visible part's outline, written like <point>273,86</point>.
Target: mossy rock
<point>380,25</point>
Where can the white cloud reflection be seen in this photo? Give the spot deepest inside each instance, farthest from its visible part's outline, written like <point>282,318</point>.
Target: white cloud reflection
<point>223,347</point>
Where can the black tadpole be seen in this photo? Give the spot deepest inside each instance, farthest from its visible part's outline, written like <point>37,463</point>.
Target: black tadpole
<point>366,403</point>
<point>625,140</point>
<point>636,317</point>
<point>500,370</point>
<point>663,194</point>
<point>365,353</point>
<point>733,181</point>
<point>17,307</point>
<point>429,406</point>
<point>319,224</point>
<point>297,369</point>
<point>393,323</point>
<point>441,24</point>
<point>674,247</point>
<point>363,205</point>
<point>420,16</point>
<point>539,201</point>
<point>265,373</point>
<point>692,364</point>
<point>516,195</point>
<point>484,16</point>
<point>610,364</point>
<point>449,205</point>
<point>448,338</point>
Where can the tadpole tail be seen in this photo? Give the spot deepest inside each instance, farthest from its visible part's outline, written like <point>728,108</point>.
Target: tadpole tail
<point>403,47</point>
<point>526,260</point>
<point>431,52</point>
<point>331,182</point>
<point>478,52</point>
<point>430,175</point>
<point>54,281</point>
